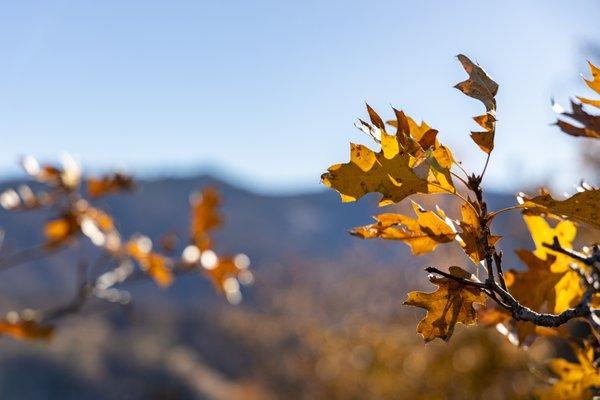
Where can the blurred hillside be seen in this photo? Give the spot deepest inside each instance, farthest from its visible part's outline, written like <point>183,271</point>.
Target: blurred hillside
<point>323,320</point>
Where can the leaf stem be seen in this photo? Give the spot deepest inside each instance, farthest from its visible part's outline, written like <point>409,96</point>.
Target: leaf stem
<point>459,178</point>
<point>493,214</point>
<point>487,161</point>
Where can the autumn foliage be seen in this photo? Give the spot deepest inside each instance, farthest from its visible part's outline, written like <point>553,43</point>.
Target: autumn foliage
<point>560,286</point>
<point>120,260</point>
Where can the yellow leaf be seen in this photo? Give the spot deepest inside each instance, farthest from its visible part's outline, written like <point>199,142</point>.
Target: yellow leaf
<point>541,232</point>
<point>574,380</point>
<point>422,234</point>
<point>401,168</point>
<point>541,289</point>
<point>594,83</point>
<point>582,207</point>
<point>450,304</point>
<point>393,178</point>
<point>469,237</point>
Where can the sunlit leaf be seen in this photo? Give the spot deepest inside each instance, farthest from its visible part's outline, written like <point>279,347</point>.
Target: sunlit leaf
<point>205,217</point>
<point>582,207</point>
<point>541,289</point>
<point>154,264</point>
<point>470,235</point>
<point>481,87</point>
<point>574,379</point>
<point>410,161</point>
<point>111,183</point>
<point>422,234</point>
<point>94,223</point>
<point>450,304</point>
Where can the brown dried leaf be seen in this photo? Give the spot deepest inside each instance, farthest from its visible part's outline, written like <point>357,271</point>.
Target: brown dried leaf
<point>450,304</point>
<point>26,330</point>
<point>108,184</point>
<point>205,217</point>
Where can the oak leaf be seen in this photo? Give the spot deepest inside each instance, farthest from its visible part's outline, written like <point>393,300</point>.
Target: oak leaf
<point>574,380</point>
<point>410,161</point>
<point>422,234</point>
<point>94,223</point>
<point>155,265</point>
<point>588,124</point>
<point>541,289</point>
<point>582,207</point>
<point>483,88</point>
<point>205,217</point>
<point>111,183</point>
<point>450,304</point>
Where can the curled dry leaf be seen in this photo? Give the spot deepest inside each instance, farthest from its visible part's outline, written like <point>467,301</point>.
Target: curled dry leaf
<point>205,217</point>
<point>450,304</point>
<point>588,125</point>
<point>483,88</point>
<point>108,184</point>
<point>422,234</point>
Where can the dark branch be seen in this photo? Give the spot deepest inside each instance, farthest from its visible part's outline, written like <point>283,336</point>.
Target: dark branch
<point>573,254</point>
<point>464,281</point>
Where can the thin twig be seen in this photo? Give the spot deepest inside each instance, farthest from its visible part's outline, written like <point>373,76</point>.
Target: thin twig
<point>573,254</point>
<point>459,178</point>
<point>461,168</point>
<point>487,161</point>
<point>464,281</point>
<point>495,213</point>
<point>498,262</point>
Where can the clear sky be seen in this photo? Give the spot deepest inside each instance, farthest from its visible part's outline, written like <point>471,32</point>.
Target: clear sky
<point>268,91</point>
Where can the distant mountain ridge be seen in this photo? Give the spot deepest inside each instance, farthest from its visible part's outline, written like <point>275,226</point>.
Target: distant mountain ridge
<point>271,229</point>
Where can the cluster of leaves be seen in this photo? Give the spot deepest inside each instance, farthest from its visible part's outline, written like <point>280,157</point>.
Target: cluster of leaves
<point>560,284</point>
<point>64,194</point>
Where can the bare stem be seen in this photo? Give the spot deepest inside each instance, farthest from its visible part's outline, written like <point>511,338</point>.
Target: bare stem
<point>502,210</point>
<point>487,161</point>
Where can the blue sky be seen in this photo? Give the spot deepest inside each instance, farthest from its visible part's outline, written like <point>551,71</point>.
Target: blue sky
<point>267,91</point>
